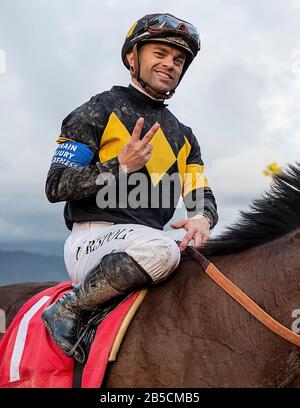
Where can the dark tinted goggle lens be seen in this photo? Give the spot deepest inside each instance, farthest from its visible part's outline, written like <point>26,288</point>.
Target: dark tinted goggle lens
<point>165,22</point>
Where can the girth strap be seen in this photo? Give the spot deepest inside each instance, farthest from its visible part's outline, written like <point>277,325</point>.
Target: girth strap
<point>244,300</point>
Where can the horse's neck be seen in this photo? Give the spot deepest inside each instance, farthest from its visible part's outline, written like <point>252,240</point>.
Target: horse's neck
<point>269,274</point>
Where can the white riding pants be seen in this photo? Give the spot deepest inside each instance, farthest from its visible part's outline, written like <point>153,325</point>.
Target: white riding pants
<point>89,242</point>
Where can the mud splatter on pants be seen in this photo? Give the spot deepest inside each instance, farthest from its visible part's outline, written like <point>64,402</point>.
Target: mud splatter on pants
<point>151,248</point>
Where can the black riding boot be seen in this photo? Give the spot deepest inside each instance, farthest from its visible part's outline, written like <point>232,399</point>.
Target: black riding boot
<point>116,274</point>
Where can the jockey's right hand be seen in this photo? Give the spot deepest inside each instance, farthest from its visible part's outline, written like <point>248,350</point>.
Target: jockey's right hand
<point>137,152</point>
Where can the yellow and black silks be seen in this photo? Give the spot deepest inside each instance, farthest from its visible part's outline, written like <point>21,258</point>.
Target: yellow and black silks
<point>105,124</point>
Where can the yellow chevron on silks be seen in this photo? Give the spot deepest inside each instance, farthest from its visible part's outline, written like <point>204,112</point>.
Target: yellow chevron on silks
<point>114,138</point>
<point>162,157</point>
<point>62,139</point>
<point>182,158</point>
<point>194,178</point>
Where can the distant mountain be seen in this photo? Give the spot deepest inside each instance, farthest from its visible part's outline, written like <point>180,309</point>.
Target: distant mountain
<point>20,266</point>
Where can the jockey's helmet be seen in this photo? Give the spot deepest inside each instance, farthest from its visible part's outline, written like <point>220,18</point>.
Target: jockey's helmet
<point>163,28</point>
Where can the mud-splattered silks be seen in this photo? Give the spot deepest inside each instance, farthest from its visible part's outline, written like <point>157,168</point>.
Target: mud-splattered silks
<point>99,129</point>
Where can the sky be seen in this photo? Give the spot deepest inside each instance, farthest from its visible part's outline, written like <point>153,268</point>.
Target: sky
<point>240,96</point>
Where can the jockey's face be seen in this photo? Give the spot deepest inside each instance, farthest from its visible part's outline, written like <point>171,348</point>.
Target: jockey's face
<point>160,65</point>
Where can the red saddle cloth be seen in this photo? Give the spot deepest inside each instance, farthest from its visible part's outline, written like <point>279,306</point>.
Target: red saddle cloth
<point>30,359</point>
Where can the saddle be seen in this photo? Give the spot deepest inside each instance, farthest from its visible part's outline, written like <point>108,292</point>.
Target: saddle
<point>48,366</point>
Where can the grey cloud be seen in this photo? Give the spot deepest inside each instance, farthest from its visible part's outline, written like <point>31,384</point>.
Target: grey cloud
<point>59,54</point>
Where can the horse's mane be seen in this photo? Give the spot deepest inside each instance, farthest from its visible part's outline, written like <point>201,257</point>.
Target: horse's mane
<point>273,215</point>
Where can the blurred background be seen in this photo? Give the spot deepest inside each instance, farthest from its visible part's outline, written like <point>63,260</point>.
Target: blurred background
<point>240,96</point>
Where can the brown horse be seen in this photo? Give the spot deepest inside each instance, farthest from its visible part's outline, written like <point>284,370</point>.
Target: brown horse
<point>189,333</point>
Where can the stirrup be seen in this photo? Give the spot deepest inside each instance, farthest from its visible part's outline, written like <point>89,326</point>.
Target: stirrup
<point>77,352</point>
<point>87,335</point>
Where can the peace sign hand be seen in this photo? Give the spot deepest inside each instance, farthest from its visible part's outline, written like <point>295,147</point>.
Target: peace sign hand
<point>137,152</point>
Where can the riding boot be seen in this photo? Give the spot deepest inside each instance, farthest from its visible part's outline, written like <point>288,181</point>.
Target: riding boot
<point>116,274</point>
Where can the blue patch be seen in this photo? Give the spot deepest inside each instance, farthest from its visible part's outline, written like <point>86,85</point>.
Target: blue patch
<point>73,154</point>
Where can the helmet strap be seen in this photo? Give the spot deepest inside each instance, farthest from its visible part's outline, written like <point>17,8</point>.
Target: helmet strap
<point>135,72</point>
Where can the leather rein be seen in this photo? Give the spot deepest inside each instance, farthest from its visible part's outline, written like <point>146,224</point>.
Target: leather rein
<point>244,300</point>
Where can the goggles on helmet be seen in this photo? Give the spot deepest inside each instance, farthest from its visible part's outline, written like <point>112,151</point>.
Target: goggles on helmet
<point>166,22</point>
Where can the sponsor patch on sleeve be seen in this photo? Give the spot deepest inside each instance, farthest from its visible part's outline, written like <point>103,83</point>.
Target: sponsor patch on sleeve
<point>72,154</point>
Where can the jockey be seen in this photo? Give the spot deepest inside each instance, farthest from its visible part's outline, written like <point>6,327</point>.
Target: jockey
<point>116,154</point>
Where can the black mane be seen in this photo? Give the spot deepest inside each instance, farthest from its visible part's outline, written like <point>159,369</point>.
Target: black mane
<point>273,215</point>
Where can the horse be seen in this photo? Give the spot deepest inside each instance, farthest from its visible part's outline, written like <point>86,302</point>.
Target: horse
<point>189,333</point>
